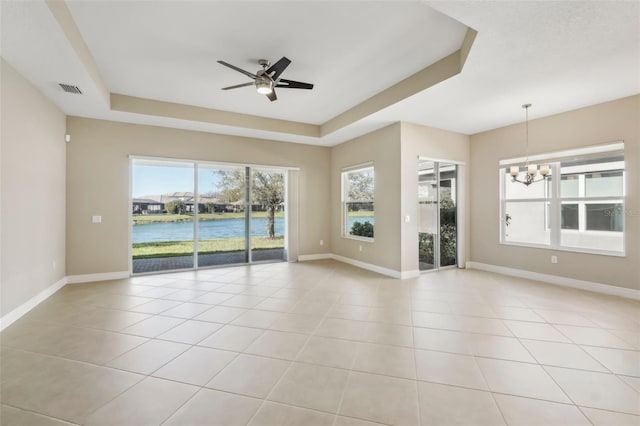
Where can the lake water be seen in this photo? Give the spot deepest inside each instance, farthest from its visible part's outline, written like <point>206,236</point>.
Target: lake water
<point>209,229</point>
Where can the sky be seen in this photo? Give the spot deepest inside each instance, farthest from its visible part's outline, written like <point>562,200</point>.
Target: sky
<point>154,180</point>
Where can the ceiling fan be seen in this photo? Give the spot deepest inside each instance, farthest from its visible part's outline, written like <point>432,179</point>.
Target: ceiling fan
<point>268,78</point>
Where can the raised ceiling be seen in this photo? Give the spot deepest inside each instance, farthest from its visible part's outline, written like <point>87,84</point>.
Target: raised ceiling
<point>168,50</point>
<point>160,59</point>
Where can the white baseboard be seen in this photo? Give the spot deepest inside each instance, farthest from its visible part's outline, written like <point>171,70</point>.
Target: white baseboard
<point>104,276</point>
<point>409,274</point>
<point>557,280</point>
<point>375,268</point>
<point>306,257</point>
<point>368,266</point>
<point>21,310</point>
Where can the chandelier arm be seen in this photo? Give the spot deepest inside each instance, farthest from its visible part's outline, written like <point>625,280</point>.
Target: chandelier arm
<point>529,179</point>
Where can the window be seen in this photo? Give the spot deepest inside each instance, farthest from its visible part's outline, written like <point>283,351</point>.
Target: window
<point>358,186</point>
<point>579,206</point>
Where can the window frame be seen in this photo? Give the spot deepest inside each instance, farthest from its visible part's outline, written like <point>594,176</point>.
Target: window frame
<point>553,214</point>
<point>344,211</point>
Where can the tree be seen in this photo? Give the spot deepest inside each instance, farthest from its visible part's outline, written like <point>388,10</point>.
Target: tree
<point>175,207</point>
<point>448,236</point>
<point>362,229</point>
<point>361,187</point>
<point>267,190</point>
<point>231,184</point>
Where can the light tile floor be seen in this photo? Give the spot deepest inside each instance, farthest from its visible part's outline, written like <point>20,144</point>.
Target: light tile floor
<point>322,343</point>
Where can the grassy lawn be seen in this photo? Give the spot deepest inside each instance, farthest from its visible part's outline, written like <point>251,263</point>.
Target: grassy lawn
<point>160,218</point>
<point>185,248</point>
<point>361,213</point>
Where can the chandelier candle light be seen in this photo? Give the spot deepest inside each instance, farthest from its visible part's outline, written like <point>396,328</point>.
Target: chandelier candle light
<point>531,170</point>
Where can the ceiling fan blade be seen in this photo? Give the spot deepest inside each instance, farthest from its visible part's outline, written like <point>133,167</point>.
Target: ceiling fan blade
<point>238,85</point>
<point>278,67</point>
<point>272,95</point>
<point>233,67</point>
<point>293,84</point>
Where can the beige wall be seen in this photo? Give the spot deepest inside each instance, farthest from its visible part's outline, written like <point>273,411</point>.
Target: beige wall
<point>98,183</point>
<point>423,141</point>
<point>607,122</point>
<point>32,213</point>
<point>383,148</point>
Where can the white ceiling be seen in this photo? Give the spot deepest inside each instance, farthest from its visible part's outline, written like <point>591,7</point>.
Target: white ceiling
<point>350,50</point>
<point>557,55</point>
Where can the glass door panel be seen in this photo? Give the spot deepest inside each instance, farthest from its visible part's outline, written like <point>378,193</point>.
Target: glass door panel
<point>222,225</point>
<point>267,214</point>
<point>190,215</point>
<point>162,207</point>
<point>437,215</point>
<point>428,215</point>
<point>448,214</point>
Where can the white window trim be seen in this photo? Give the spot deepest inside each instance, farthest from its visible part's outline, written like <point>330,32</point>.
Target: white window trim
<point>610,148</point>
<point>343,203</point>
<point>556,200</point>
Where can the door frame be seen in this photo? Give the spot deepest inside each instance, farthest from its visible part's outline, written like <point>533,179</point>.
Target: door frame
<point>196,163</point>
<point>460,213</point>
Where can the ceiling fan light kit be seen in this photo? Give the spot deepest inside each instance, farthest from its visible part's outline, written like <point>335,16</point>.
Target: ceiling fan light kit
<point>264,86</point>
<point>268,78</point>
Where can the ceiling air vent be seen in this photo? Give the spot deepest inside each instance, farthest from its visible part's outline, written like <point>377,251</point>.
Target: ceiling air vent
<point>71,89</point>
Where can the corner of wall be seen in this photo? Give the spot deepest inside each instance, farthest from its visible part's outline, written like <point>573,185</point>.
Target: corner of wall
<point>33,156</point>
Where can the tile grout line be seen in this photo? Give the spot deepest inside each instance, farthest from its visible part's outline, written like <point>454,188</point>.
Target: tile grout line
<point>41,414</point>
<point>415,364</point>
<point>312,334</point>
<point>291,362</point>
<point>201,388</point>
<point>359,348</point>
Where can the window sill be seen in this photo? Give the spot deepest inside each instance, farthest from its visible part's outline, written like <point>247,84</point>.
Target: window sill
<point>355,237</point>
<point>567,249</point>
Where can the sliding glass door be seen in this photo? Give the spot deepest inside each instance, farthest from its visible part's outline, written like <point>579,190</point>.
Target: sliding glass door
<point>189,215</point>
<point>162,212</point>
<point>267,214</point>
<point>222,221</point>
<point>437,211</point>
<point>448,212</point>
<point>428,216</point>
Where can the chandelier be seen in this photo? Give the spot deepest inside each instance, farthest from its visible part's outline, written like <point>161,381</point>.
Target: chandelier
<point>530,170</point>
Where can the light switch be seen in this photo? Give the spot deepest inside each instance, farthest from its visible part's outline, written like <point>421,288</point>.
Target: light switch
<point>407,219</point>
<point>96,219</point>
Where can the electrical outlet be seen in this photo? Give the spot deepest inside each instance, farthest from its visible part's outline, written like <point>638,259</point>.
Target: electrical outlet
<point>360,247</point>
<point>321,242</point>
<point>554,259</point>
<point>407,219</point>
<point>96,219</point>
